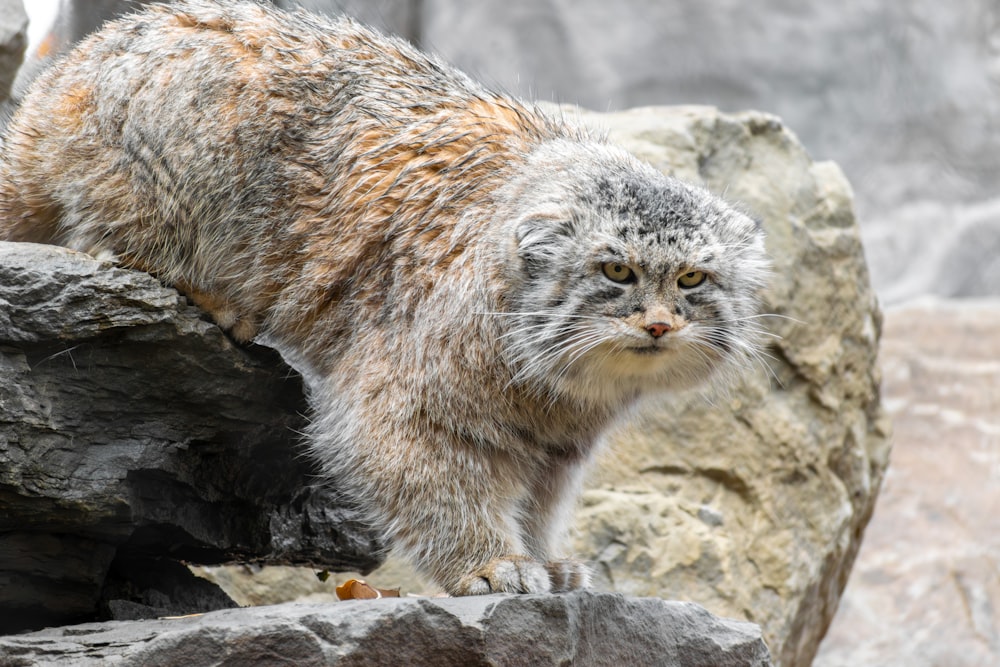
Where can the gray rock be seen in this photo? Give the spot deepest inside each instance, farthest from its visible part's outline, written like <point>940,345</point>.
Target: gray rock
<point>933,248</point>
<point>903,95</point>
<point>13,41</point>
<point>580,629</point>
<point>131,427</point>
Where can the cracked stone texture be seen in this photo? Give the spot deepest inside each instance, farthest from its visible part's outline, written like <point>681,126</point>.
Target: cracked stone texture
<point>133,432</point>
<point>753,503</point>
<point>925,591</point>
<point>580,629</point>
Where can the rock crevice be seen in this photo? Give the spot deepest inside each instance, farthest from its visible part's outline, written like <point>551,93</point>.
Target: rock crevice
<point>131,428</point>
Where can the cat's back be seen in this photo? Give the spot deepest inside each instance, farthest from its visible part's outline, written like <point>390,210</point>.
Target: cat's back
<point>210,139</point>
<point>206,50</point>
<point>221,96</point>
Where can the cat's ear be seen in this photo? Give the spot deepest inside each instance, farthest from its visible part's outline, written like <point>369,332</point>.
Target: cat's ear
<point>537,238</point>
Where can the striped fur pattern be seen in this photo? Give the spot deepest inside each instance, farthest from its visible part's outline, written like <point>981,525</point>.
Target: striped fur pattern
<point>473,290</point>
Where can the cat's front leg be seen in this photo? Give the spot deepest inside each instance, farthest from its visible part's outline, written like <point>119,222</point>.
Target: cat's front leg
<point>547,515</point>
<point>454,510</point>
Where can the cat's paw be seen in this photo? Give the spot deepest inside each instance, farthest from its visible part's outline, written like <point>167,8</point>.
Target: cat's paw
<point>511,574</point>
<point>568,575</point>
<point>519,574</point>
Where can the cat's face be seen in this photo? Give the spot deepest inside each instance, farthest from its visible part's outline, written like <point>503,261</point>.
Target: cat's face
<point>634,282</point>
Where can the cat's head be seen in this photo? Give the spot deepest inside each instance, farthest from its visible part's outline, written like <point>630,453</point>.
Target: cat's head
<point>626,280</point>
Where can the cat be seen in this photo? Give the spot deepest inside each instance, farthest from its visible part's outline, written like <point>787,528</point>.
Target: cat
<point>473,289</point>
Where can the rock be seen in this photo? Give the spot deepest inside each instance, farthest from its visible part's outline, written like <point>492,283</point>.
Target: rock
<point>132,428</point>
<point>753,503</point>
<point>13,42</point>
<point>580,629</point>
<point>925,589</point>
<point>908,110</point>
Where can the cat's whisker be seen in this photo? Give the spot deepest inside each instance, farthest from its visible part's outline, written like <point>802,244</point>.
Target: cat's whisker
<point>745,356</point>
<point>583,346</point>
<point>552,315</point>
<point>761,316</point>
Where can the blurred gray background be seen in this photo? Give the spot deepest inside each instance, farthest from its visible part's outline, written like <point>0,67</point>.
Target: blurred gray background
<point>905,96</point>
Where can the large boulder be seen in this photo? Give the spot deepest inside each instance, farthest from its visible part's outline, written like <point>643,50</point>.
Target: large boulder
<point>753,503</point>
<point>134,434</point>
<point>579,629</point>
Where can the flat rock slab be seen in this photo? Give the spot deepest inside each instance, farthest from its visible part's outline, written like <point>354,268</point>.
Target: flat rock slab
<point>925,590</point>
<point>582,628</point>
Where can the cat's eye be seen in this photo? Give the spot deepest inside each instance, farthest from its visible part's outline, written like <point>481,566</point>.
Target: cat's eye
<point>691,279</point>
<point>619,273</point>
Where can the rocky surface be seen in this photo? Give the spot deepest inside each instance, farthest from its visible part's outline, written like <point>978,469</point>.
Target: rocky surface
<point>133,434</point>
<point>579,629</point>
<point>925,590</point>
<point>754,503</point>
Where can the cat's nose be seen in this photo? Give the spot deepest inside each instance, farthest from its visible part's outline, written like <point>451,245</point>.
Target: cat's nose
<point>657,329</point>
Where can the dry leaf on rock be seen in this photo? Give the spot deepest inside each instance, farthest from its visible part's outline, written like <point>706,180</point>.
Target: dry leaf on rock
<point>357,589</point>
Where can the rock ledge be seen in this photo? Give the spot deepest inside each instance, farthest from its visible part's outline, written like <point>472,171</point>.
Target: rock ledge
<point>582,628</point>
